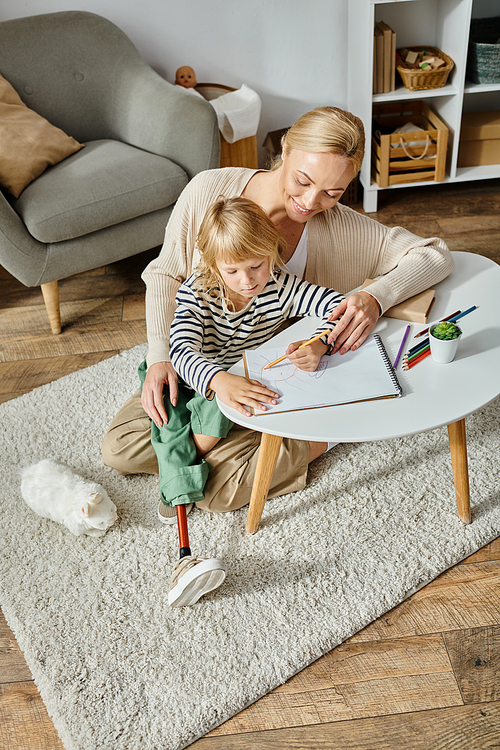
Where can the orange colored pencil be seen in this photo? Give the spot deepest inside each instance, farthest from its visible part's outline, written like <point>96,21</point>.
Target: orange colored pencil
<point>410,357</point>
<point>407,365</point>
<point>306,343</point>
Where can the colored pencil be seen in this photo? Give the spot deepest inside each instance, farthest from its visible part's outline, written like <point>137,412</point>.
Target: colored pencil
<point>306,343</point>
<point>408,365</point>
<point>422,350</point>
<point>461,315</point>
<point>405,336</point>
<point>426,330</point>
<point>419,352</point>
<point>422,344</point>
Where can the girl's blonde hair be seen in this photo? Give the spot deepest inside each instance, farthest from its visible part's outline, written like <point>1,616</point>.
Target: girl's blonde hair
<point>326,130</point>
<point>233,230</point>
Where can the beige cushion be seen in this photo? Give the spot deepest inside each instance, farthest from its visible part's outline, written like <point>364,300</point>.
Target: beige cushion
<point>28,142</point>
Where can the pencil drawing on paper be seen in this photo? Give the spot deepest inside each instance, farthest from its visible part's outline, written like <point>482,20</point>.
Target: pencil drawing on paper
<point>285,372</point>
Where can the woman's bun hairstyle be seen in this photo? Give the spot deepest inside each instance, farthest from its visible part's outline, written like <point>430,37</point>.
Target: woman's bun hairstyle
<point>327,130</point>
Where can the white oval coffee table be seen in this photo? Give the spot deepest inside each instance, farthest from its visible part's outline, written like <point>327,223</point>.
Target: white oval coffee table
<point>433,394</point>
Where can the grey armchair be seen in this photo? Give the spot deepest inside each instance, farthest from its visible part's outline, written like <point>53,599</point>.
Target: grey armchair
<point>144,139</point>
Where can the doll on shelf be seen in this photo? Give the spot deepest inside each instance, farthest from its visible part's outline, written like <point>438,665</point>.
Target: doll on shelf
<point>185,77</point>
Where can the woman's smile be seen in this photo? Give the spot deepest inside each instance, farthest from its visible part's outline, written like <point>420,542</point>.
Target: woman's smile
<point>300,209</point>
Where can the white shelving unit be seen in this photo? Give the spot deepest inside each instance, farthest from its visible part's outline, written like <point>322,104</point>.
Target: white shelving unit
<point>438,23</point>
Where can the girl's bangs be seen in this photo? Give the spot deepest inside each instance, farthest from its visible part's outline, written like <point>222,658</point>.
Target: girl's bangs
<point>239,253</point>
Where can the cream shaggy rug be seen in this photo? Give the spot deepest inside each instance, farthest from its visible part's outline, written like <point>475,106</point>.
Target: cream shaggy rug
<point>119,669</point>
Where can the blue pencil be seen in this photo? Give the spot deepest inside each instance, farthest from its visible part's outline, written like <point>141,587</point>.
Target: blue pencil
<point>450,319</point>
<point>396,361</point>
<point>461,315</point>
<point>426,330</point>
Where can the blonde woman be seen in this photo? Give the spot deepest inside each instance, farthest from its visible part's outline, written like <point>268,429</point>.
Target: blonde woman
<point>327,244</point>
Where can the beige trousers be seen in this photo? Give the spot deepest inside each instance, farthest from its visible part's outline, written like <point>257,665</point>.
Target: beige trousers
<point>127,448</point>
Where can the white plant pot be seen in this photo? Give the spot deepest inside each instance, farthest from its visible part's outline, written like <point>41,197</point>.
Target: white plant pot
<point>443,350</point>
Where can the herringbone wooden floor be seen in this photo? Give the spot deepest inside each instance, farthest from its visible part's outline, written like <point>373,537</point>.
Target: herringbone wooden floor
<point>424,676</point>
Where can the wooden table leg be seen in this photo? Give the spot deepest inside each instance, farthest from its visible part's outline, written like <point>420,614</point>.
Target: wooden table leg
<point>268,453</point>
<point>458,450</point>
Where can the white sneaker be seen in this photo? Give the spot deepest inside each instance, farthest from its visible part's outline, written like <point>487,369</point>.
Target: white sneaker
<point>192,578</point>
<point>168,514</point>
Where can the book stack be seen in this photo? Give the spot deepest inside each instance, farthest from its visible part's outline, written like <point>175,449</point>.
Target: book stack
<point>384,59</point>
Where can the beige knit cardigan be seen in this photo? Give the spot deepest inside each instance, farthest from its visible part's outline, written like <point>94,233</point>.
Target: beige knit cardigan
<point>344,248</point>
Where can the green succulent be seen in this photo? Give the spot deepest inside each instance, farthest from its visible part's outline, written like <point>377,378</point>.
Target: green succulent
<point>446,331</point>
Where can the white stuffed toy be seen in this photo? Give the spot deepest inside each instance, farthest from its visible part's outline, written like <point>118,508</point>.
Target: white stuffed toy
<point>54,491</point>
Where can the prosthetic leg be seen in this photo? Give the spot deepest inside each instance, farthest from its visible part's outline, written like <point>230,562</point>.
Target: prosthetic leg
<point>192,577</point>
<point>182,528</point>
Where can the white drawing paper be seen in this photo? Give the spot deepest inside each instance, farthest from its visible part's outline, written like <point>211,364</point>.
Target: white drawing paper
<point>362,375</point>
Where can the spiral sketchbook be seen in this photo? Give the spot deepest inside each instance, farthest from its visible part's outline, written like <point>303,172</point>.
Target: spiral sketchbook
<point>363,375</point>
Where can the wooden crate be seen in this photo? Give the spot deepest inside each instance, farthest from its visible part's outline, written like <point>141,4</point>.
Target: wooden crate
<point>350,197</point>
<point>394,165</point>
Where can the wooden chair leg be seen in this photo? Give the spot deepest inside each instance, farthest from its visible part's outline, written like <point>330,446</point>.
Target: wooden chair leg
<point>50,293</point>
<point>268,453</point>
<point>458,450</point>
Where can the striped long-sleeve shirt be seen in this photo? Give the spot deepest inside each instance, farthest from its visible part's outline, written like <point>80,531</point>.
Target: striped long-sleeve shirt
<point>206,337</point>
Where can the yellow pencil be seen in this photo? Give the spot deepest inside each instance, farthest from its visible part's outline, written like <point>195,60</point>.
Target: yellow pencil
<point>306,343</point>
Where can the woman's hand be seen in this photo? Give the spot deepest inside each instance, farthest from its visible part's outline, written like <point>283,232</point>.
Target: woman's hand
<point>358,315</point>
<point>307,358</point>
<point>158,376</point>
<point>240,393</point>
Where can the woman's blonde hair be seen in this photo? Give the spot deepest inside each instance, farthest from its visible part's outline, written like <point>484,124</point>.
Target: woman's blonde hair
<point>233,230</point>
<point>326,130</point>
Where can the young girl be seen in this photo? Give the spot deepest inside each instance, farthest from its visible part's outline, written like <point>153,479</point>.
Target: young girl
<point>237,299</point>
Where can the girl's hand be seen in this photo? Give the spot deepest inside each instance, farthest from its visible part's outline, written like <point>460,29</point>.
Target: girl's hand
<point>307,358</point>
<point>158,376</point>
<point>240,393</point>
<point>358,315</point>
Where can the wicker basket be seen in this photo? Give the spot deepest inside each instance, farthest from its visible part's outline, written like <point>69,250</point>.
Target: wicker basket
<point>483,62</point>
<point>242,153</point>
<point>430,78</point>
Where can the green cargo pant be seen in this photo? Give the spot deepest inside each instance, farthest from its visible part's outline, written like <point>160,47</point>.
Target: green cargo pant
<point>182,474</point>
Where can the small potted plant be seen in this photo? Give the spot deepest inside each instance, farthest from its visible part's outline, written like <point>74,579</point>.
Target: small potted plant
<point>444,338</point>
